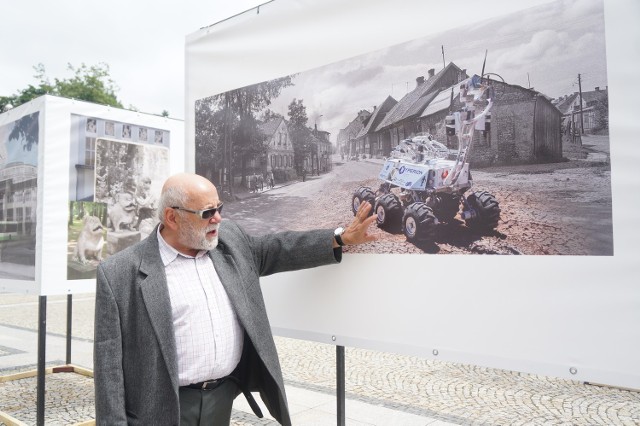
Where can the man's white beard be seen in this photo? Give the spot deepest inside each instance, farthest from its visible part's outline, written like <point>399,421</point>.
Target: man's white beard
<point>195,238</point>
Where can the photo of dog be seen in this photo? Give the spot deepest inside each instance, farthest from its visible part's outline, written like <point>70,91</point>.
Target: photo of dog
<point>122,212</point>
<point>90,240</point>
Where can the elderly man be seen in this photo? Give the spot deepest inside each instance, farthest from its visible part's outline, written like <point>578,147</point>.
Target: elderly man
<point>181,327</point>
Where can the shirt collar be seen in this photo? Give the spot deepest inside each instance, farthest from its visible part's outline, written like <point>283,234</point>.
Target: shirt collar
<point>168,254</point>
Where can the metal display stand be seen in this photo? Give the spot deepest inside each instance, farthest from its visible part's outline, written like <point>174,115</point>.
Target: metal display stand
<point>340,385</point>
<point>42,343</point>
<point>42,371</point>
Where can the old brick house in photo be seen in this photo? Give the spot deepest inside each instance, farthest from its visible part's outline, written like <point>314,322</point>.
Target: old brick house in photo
<point>525,125</point>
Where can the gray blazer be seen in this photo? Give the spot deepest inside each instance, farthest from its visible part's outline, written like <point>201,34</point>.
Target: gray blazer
<point>135,365</point>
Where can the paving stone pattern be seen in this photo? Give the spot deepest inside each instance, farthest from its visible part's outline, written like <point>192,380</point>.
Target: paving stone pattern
<point>69,399</point>
<point>453,393</point>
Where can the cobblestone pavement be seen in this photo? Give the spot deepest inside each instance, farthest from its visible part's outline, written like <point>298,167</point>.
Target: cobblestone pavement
<point>453,393</point>
<point>69,398</point>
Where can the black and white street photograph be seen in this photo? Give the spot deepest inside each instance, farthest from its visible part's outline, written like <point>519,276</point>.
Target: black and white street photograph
<point>128,179</point>
<point>487,139</point>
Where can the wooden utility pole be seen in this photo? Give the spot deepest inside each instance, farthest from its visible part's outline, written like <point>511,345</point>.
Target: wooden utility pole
<point>444,64</point>
<point>581,117</point>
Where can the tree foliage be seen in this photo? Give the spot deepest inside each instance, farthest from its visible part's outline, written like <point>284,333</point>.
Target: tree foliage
<point>601,114</point>
<point>269,115</point>
<point>227,131</point>
<point>26,129</point>
<point>301,136</point>
<point>88,83</point>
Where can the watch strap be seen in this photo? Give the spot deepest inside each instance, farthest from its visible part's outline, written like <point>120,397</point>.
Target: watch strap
<point>338,236</point>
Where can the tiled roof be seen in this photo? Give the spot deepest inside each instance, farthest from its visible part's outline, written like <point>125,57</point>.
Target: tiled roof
<point>442,100</point>
<point>414,102</point>
<point>355,126</point>
<point>565,105</point>
<point>377,116</point>
<point>270,127</point>
<point>594,95</point>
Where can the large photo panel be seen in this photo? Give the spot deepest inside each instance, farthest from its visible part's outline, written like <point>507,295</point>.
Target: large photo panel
<point>531,175</point>
<point>558,296</point>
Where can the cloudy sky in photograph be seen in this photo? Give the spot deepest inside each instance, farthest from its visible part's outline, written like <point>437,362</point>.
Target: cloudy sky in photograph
<point>143,43</point>
<point>544,47</point>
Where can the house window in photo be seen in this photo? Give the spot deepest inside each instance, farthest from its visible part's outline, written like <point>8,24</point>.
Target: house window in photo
<point>90,152</point>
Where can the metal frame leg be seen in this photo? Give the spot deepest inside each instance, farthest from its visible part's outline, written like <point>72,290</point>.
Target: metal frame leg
<point>42,343</point>
<point>340,385</point>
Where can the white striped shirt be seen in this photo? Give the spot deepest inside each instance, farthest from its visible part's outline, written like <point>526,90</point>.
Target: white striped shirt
<point>208,335</point>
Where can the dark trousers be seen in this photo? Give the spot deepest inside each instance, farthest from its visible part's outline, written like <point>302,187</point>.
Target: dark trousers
<point>207,407</point>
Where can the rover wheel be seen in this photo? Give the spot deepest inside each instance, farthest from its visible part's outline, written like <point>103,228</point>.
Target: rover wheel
<point>487,210</point>
<point>419,222</point>
<point>388,211</point>
<point>445,207</point>
<point>362,194</point>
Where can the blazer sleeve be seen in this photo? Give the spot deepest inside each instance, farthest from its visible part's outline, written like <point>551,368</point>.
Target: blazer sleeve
<point>107,356</point>
<point>293,250</point>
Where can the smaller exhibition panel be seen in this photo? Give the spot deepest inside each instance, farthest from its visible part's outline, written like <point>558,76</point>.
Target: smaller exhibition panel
<point>80,182</point>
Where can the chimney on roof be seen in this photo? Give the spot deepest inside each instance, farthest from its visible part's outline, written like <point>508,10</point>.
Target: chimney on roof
<point>374,107</point>
<point>432,72</point>
<point>597,88</point>
<point>419,80</point>
<point>461,75</point>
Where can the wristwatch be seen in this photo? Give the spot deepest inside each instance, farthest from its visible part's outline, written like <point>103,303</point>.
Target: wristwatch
<point>337,234</point>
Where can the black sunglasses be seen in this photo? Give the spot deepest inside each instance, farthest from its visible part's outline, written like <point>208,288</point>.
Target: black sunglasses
<point>202,214</point>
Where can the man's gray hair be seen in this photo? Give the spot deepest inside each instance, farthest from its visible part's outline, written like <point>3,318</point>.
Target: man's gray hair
<point>174,196</point>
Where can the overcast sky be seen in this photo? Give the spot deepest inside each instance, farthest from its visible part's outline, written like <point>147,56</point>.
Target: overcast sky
<point>141,41</point>
<point>544,47</point>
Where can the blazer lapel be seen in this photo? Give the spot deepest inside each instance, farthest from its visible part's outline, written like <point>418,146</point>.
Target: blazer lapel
<point>228,272</point>
<point>156,299</point>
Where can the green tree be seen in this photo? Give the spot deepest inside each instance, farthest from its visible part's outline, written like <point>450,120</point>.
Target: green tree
<point>88,83</point>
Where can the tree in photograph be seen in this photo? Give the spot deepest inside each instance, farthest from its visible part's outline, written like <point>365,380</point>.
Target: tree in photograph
<point>117,164</point>
<point>26,130</point>
<point>238,135</point>
<point>601,109</point>
<point>208,130</point>
<point>301,136</point>
<point>268,115</point>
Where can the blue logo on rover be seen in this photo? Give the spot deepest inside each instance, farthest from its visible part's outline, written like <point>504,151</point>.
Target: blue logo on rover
<point>404,169</point>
